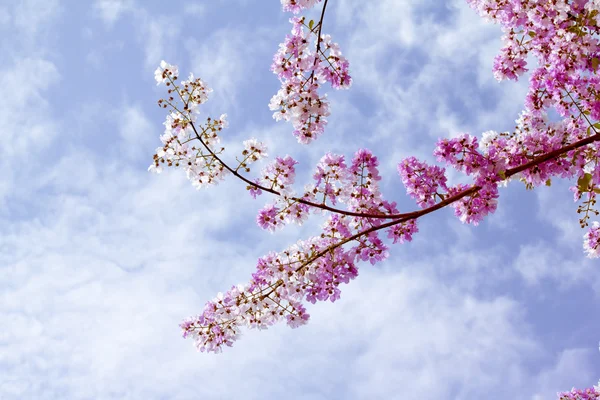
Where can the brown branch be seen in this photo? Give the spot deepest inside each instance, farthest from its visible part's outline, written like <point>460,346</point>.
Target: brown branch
<point>409,215</point>
<point>321,26</point>
<point>312,74</point>
<point>275,192</point>
<point>416,214</point>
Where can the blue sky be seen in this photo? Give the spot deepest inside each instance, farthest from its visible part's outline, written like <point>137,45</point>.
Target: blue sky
<point>100,260</point>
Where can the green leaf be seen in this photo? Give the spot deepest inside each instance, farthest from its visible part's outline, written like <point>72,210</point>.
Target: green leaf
<point>583,183</point>
<point>311,24</point>
<point>597,125</point>
<point>549,182</point>
<point>502,174</point>
<point>595,63</point>
<point>531,33</point>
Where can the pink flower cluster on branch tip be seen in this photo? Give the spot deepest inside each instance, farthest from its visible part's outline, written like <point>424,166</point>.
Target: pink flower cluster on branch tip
<point>200,164</point>
<point>422,181</point>
<point>563,37</point>
<point>560,35</point>
<point>295,6</point>
<point>253,151</point>
<point>302,68</point>
<point>331,179</point>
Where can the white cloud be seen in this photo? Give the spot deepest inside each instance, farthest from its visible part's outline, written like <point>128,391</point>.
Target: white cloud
<point>31,16</point>
<point>416,335</point>
<point>224,60</point>
<point>4,16</point>
<point>25,122</point>
<point>572,369</point>
<point>101,260</point>
<point>23,85</point>
<point>137,133</point>
<point>541,261</point>
<point>28,73</point>
<point>194,9</point>
<point>97,55</point>
<point>115,270</point>
<point>418,63</point>
<point>556,207</point>
<point>111,10</point>
<point>158,34</point>
<point>122,256</point>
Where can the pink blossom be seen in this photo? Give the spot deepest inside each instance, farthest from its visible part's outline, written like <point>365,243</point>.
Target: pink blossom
<point>296,6</point>
<point>592,393</point>
<point>280,174</point>
<point>591,241</point>
<point>423,182</point>
<point>165,73</point>
<point>403,232</point>
<point>560,36</point>
<point>267,218</point>
<point>302,69</point>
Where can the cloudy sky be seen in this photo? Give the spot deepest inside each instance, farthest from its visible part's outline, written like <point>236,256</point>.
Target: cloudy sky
<point>101,260</point>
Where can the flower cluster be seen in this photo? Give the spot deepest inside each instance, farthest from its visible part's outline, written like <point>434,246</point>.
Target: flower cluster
<point>331,179</point>
<point>592,393</point>
<point>253,151</point>
<point>365,195</point>
<point>403,232</point>
<point>311,270</point>
<point>463,154</point>
<point>274,294</point>
<point>423,182</point>
<point>561,35</point>
<point>302,70</point>
<point>199,162</point>
<point>280,175</point>
<point>591,241</point>
<point>296,6</point>
<point>189,144</point>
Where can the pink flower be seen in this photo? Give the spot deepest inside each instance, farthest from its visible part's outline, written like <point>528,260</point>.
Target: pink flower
<point>403,232</point>
<point>165,73</point>
<point>302,70</point>
<point>296,6</point>
<point>254,191</point>
<point>591,241</point>
<point>423,182</point>
<point>267,218</point>
<point>280,174</point>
